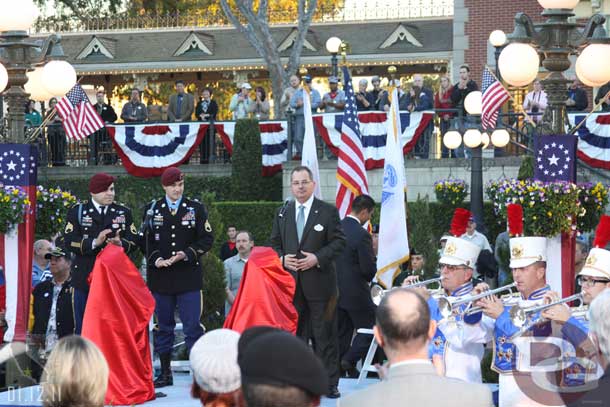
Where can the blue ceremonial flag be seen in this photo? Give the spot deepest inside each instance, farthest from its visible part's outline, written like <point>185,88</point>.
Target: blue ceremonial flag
<point>555,158</point>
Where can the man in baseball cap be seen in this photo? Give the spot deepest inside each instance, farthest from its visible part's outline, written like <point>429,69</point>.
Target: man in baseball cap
<point>90,227</point>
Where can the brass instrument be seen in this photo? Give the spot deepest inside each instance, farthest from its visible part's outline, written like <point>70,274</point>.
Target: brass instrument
<point>520,315</point>
<point>377,291</point>
<point>448,305</point>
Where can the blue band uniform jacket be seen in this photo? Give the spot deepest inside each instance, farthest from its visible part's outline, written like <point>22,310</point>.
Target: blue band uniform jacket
<point>82,228</point>
<point>188,231</point>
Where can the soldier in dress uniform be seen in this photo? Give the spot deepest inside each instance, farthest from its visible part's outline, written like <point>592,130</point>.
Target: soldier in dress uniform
<point>179,233</point>
<point>92,225</point>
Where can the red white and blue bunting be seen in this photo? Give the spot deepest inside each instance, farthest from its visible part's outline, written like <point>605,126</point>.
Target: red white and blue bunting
<point>593,139</point>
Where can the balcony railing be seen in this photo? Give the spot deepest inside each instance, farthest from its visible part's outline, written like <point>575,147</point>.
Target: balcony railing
<point>372,10</point>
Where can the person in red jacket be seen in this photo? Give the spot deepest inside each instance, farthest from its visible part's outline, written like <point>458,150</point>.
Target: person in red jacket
<point>442,100</point>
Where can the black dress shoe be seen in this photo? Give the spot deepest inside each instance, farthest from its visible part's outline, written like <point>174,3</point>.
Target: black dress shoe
<point>333,392</point>
<point>349,369</point>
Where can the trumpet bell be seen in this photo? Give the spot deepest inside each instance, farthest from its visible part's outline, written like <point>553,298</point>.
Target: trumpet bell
<point>377,293</point>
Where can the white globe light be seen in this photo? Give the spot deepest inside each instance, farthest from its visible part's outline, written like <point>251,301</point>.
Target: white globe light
<point>473,103</point>
<point>589,64</point>
<point>58,77</point>
<point>333,44</point>
<point>452,139</point>
<point>35,86</point>
<point>497,38</point>
<point>581,77</point>
<point>17,15</point>
<point>3,78</point>
<point>472,138</point>
<point>568,4</point>
<point>519,64</point>
<point>500,138</point>
<point>485,139</point>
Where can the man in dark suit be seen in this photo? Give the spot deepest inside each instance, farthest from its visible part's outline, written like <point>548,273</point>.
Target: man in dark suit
<point>308,237</point>
<point>91,226</point>
<point>355,269</point>
<point>403,329</point>
<point>181,104</point>
<point>100,142</point>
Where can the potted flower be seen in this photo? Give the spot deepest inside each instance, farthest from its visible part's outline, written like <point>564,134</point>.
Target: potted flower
<point>451,192</point>
<point>51,209</point>
<point>14,203</point>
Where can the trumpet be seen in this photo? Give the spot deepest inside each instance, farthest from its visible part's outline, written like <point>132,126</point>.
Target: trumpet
<point>378,292</point>
<point>447,305</point>
<point>520,315</point>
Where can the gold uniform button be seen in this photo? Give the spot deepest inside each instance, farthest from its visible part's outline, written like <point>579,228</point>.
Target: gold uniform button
<point>173,253</point>
<point>173,243</point>
<point>173,226</point>
<point>173,235</point>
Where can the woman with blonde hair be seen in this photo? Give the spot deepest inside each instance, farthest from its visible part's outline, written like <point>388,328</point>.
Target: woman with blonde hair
<point>76,375</point>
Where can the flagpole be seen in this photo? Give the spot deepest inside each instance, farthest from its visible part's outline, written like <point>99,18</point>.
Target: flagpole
<point>601,101</point>
<point>527,116</point>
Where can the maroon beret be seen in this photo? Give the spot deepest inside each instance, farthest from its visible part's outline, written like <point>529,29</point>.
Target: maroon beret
<point>170,176</point>
<point>100,182</point>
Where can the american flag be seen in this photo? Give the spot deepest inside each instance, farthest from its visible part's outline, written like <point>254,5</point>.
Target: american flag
<point>494,96</point>
<point>351,173</point>
<point>18,172</point>
<point>79,118</point>
<point>555,158</point>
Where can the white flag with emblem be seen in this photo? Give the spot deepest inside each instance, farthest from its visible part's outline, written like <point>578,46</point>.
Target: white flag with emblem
<point>309,157</point>
<point>393,237</point>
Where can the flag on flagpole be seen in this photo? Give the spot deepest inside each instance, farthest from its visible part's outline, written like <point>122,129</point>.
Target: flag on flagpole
<point>18,177</point>
<point>79,117</point>
<point>351,172</point>
<point>393,237</point>
<point>309,156</point>
<point>494,96</point>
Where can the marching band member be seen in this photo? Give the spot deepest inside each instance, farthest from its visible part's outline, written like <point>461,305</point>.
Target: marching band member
<point>457,343</point>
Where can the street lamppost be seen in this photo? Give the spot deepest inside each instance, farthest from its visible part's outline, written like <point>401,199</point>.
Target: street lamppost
<point>497,38</point>
<point>19,55</point>
<point>333,44</point>
<point>476,141</point>
<point>554,41</point>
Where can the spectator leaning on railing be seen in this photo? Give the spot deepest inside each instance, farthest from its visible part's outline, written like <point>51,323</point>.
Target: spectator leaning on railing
<point>442,100</point>
<point>240,102</point>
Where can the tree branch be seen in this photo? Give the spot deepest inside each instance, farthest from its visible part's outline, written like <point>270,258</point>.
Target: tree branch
<point>305,17</point>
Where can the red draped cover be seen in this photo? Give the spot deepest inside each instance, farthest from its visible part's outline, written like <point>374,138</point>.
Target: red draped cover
<point>116,320</point>
<point>265,294</point>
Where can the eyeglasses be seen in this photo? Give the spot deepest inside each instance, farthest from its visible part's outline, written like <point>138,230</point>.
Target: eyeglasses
<point>450,267</point>
<point>301,183</point>
<point>590,282</point>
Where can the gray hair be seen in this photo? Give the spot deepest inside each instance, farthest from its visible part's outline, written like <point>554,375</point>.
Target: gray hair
<point>599,318</point>
<point>39,244</point>
<point>363,81</point>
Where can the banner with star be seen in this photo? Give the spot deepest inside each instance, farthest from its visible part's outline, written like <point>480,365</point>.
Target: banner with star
<point>555,158</point>
<point>18,170</point>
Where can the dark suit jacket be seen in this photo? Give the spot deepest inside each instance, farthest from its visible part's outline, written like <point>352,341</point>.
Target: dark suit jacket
<point>107,112</point>
<point>356,267</point>
<point>212,110</point>
<point>186,108</point>
<point>322,236</point>
<point>419,385</point>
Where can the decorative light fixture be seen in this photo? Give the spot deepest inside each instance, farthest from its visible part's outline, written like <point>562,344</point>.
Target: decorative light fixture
<point>523,72</point>
<point>559,4</point>
<point>333,44</point>
<point>500,138</point>
<point>473,102</point>
<point>3,78</point>
<point>35,86</point>
<point>591,68</point>
<point>17,15</point>
<point>497,38</point>
<point>472,138</point>
<point>58,77</point>
<point>452,139</point>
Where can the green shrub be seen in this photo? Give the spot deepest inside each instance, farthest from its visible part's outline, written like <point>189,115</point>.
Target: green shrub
<point>247,182</point>
<point>255,217</point>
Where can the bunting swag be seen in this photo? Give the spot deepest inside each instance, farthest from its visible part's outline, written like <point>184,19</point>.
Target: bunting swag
<point>274,141</point>
<point>373,132</point>
<point>147,150</point>
<point>593,139</point>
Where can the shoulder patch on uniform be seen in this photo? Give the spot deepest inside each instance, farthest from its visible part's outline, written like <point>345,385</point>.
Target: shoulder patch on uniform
<point>208,227</point>
<point>133,229</point>
<point>75,244</point>
<point>69,228</point>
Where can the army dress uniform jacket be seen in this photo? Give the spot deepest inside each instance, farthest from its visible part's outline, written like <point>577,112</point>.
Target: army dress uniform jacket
<point>84,225</point>
<point>188,231</point>
<point>43,301</point>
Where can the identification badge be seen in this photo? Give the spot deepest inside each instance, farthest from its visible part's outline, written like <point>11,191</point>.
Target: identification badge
<point>157,237</point>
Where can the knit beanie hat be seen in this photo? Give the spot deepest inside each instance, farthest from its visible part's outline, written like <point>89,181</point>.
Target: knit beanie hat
<point>214,361</point>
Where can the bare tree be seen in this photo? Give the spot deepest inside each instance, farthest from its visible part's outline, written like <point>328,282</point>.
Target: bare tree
<point>256,29</point>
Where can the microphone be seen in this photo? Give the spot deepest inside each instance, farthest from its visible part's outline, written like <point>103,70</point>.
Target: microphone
<point>284,207</point>
<point>144,226</point>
